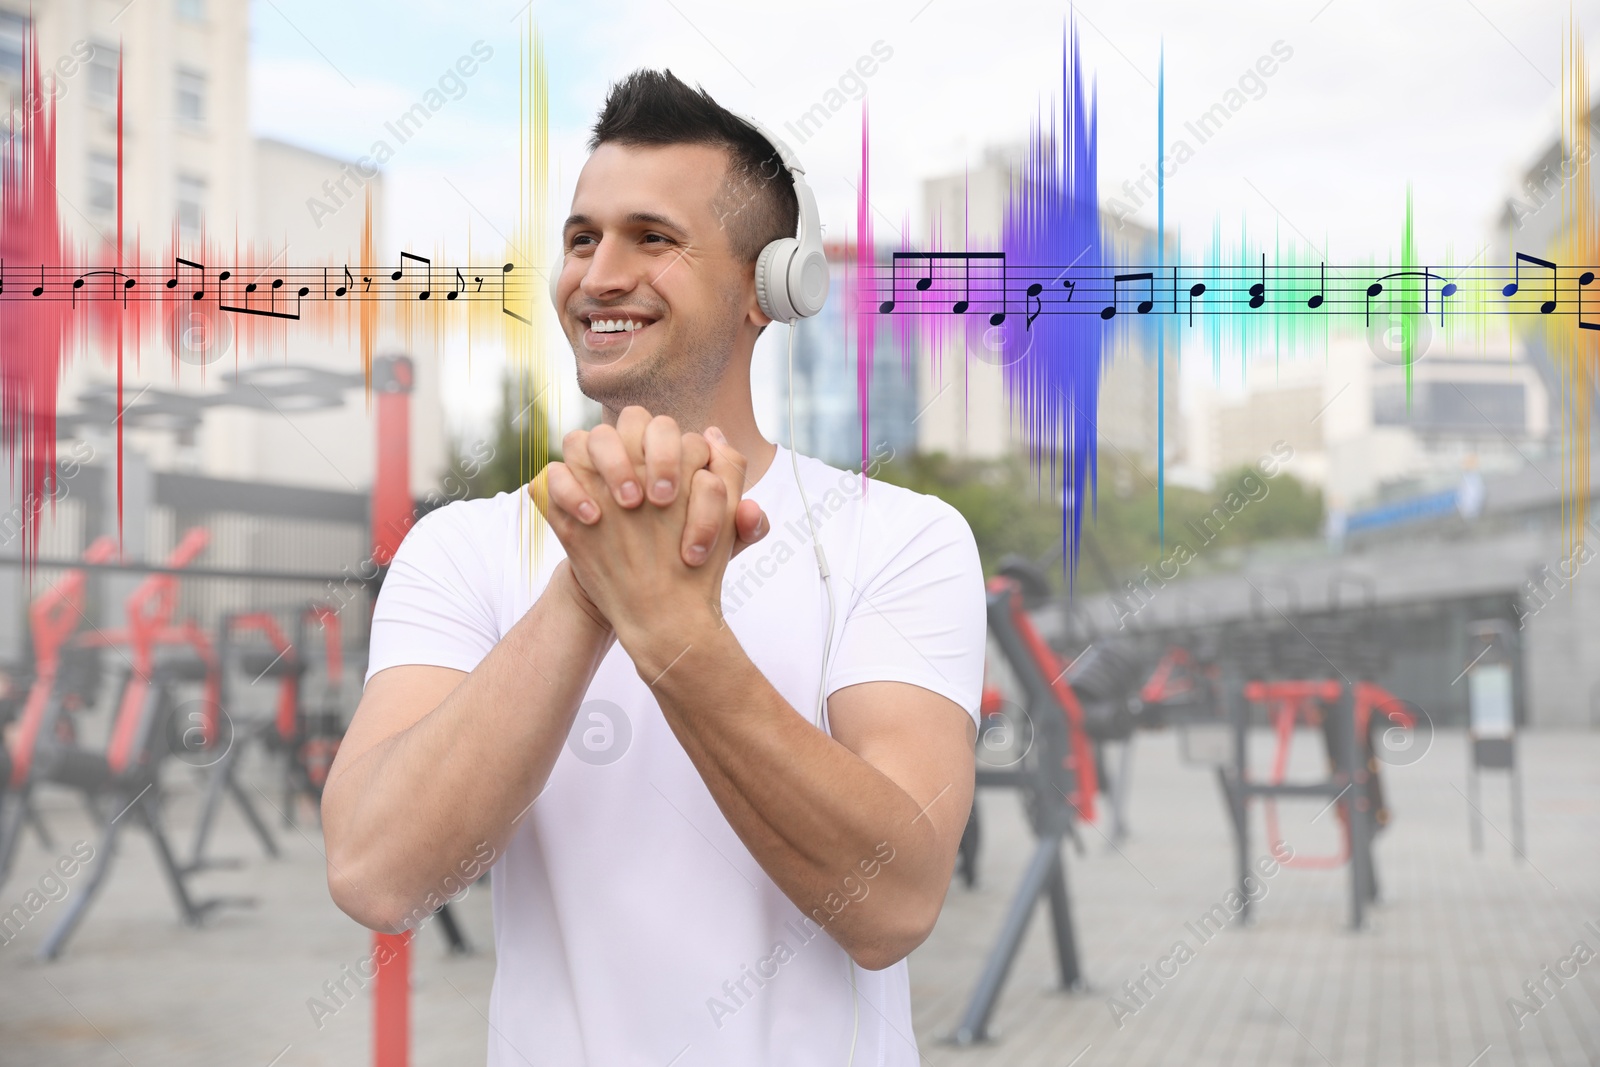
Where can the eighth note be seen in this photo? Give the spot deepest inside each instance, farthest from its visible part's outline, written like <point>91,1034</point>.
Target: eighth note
<point>1144,306</point>
<point>1516,278</point>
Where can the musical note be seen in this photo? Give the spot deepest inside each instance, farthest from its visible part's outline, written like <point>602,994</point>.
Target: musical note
<point>1316,301</point>
<point>428,266</point>
<point>461,284</point>
<point>1258,291</point>
<point>172,283</point>
<point>82,280</point>
<point>505,270</point>
<point>1522,257</point>
<point>1197,289</point>
<point>1448,289</point>
<point>1033,294</point>
<point>922,284</point>
<point>1584,279</point>
<point>271,310</point>
<point>349,283</point>
<point>39,289</point>
<point>1144,306</point>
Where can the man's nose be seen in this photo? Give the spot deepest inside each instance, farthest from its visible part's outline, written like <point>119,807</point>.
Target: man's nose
<point>610,271</point>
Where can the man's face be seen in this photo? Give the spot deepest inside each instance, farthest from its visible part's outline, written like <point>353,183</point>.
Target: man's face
<point>646,248</point>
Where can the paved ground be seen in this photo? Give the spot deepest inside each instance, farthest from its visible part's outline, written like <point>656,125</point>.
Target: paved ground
<point>1426,985</point>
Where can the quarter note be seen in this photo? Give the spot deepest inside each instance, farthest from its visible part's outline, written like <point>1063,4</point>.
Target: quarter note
<point>1522,257</point>
<point>82,280</point>
<point>1258,291</point>
<point>1197,289</point>
<point>39,289</point>
<point>1316,301</point>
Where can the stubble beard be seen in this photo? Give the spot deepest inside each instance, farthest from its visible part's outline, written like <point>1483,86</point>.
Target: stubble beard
<point>680,379</point>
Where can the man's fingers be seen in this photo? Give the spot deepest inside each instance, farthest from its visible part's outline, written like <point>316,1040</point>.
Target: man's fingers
<point>559,519</point>
<point>565,492</point>
<point>609,456</point>
<point>631,423</point>
<point>707,512</point>
<point>749,525</point>
<point>663,448</point>
<point>726,463</point>
<point>696,453</point>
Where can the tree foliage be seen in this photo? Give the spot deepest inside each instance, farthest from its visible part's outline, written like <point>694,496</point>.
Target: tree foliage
<point>517,444</point>
<point>1014,511</point>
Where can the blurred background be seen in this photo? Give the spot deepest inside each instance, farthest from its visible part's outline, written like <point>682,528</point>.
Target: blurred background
<point>1369,660</point>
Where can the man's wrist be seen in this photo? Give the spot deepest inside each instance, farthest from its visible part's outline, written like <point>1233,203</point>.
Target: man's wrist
<point>670,638</point>
<point>571,599</point>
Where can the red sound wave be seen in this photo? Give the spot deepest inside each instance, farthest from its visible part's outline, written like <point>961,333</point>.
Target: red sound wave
<point>33,335</point>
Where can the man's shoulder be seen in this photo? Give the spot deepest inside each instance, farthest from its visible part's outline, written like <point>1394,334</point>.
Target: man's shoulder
<point>475,535</point>
<point>889,507</point>
<point>480,519</point>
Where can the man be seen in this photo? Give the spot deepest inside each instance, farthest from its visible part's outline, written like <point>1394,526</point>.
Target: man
<point>689,871</point>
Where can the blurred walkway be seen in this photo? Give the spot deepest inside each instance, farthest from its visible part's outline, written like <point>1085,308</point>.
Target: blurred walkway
<point>1427,984</point>
<point>1453,937</point>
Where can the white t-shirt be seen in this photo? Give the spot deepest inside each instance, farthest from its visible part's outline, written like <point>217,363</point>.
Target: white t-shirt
<point>632,926</point>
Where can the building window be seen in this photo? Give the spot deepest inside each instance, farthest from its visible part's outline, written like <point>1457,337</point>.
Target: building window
<point>13,34</point>
<point>102,184</point>
<point>103,75</point>
<point>191,97</point>
<point>192,10</point>
<point>191,206</point>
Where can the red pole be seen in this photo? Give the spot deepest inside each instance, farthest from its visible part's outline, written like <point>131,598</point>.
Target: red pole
<point>391,1000</point>
<point>392,515</point>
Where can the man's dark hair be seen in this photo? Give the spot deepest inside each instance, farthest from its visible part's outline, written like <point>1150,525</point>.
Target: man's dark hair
<point>652,107</point>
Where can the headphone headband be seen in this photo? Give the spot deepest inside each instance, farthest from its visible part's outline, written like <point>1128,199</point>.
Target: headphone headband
<point>792,272</point>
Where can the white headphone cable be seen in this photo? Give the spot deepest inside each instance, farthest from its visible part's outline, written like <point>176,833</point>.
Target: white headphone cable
<point>827,644</point>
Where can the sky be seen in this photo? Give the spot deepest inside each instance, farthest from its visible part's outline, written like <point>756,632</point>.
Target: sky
<point>1454,98</point>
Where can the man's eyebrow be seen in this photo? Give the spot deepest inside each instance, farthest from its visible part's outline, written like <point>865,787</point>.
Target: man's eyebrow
<point>648,218</point>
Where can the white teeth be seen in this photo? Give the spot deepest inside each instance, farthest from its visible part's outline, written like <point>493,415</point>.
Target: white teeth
<point>615,325</point>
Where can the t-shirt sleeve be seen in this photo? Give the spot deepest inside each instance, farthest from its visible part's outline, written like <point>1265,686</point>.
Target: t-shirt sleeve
<point>920,617</point>
<point>436,608</point>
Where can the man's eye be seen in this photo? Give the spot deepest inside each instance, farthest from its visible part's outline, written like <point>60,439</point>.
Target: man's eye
<point>581,240</point>
<point>656,237</point>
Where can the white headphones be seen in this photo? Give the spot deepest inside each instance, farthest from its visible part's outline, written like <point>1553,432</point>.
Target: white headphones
<point>791,272</point>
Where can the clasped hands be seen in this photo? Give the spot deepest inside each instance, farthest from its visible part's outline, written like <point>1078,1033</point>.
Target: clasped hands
<point>649,517</point>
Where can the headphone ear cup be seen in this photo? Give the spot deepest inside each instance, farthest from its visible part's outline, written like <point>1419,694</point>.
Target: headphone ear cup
<point>555,279</point>
<point>772,279</point>
<point>808,281</point>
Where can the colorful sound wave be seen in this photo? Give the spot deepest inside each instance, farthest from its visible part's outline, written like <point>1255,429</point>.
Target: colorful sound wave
<point>59,303</point>
<point>1051,302</point>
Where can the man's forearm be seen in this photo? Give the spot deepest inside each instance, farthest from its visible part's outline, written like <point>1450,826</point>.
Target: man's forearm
<point>401,818</point>
<point>814,815</point>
